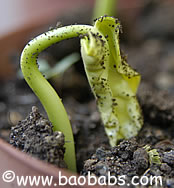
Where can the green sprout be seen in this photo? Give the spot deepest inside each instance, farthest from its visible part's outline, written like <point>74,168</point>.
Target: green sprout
<point>104,7</point>
<point>154,156</point>
<point>112,80</point>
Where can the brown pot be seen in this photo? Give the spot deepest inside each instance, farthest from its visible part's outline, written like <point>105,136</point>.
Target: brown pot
<point>24,165</point>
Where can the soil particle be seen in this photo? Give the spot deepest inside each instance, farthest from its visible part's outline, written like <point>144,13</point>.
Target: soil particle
<point>165,145</point>
<point>35,136</point>
<point>142,159</point>
<point>168,157</point>
<point>112,161</point>
<point>165,168</point>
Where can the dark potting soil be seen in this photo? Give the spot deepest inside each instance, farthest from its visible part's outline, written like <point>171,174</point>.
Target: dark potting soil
<point>128,158</point>
<point>34,135</point>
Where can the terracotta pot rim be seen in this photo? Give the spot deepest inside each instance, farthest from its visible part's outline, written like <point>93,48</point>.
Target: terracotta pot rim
<point>34,163</point>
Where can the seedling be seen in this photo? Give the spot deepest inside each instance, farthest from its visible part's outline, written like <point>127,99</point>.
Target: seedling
<point>112,80</point>
<point>154,157</point>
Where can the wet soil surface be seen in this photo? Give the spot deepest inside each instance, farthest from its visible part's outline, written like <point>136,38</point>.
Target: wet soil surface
<point>151,53</point>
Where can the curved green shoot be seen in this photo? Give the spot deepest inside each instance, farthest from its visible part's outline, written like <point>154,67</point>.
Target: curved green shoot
<point>44,91</point>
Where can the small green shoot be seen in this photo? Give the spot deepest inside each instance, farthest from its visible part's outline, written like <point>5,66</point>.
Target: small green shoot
<point>154,157</point>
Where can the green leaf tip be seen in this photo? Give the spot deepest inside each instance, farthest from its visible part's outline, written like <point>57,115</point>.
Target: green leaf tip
<point>154,157</point>
<point>113,82</point>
